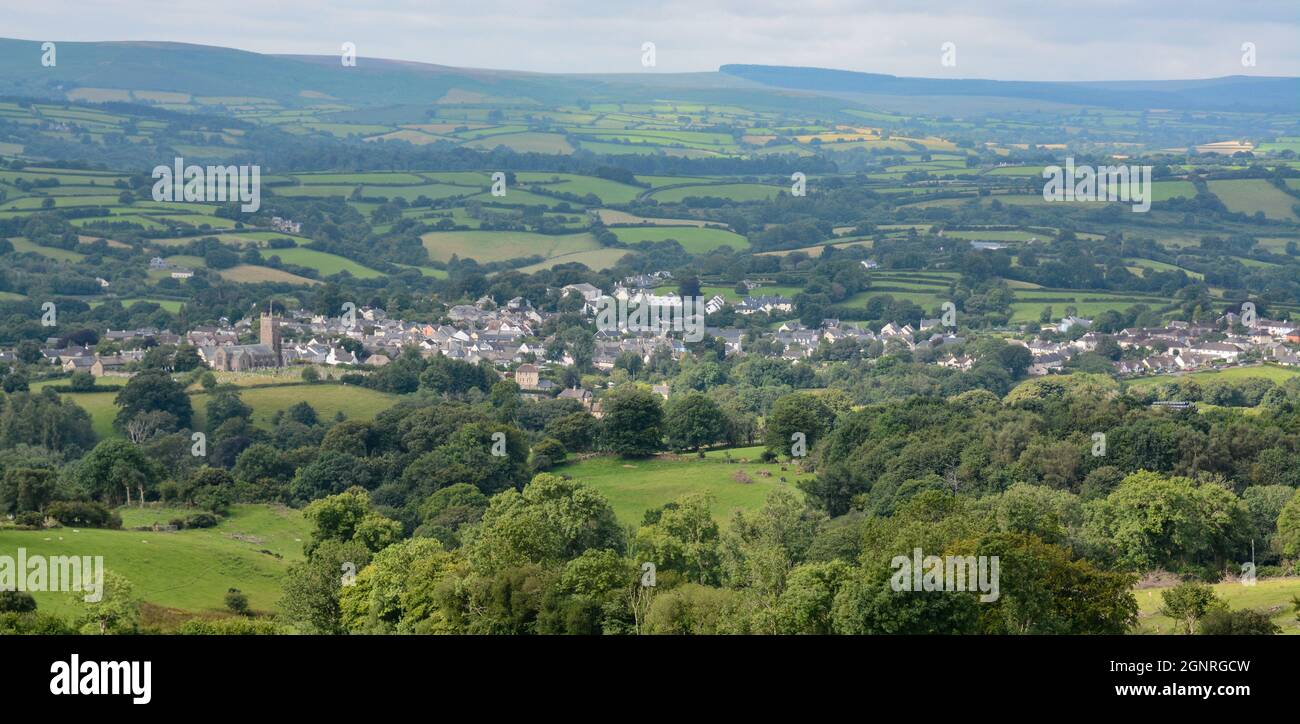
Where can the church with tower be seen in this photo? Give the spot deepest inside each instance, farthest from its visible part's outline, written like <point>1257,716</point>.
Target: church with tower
<point>268,352</point>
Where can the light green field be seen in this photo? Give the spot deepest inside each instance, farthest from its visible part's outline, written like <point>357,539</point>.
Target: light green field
<point>357,403</point>
<point>595,259</point>
<point>23,245</point>
<point>325,263</point>
<point>734,192</point>
<point>489,246</point>
<point>1269,594</point>
<point>991,235</point>
<point>611,216</point>
<point>1159,266</point>
<point>634,486</point>
<point>99,405</point>
<point>171,305</point>
<point>354,179</point>
<point>527,142</point>
<point>1249,196</point>
<point>253,274</point>
<point>1269,372</point>
<point>188,570</point>
<point>694,240</point>
<point>609,192</point>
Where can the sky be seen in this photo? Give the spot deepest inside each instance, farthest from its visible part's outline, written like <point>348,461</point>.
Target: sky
<point>1001,39</point>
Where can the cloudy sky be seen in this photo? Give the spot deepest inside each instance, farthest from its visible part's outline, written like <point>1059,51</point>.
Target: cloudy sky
<point>1004,39</point>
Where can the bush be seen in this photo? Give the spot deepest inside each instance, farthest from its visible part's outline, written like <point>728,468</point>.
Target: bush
<point>81,382</point>
<point>237,602</point>
<point>29,519</point>
<point>1242,622</point>
<point>310,375</point>
<point>84,514</point>
<point>548,453</point>
<point>201,520</point>
<point>16,602</point>
<point>33,623</point>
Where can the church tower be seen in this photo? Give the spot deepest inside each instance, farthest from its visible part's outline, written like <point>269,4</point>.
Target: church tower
<point>270,334</point>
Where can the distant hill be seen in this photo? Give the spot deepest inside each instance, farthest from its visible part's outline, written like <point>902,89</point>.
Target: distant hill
<point>1229,93</point>
<point>95,70</point>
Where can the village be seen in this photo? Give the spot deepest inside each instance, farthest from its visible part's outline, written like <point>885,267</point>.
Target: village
<point>507,335</point>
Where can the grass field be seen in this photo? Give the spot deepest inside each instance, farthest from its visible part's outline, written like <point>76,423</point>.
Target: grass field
<point>1268,372</point>
<point>693,239</point>
<point>489,246</point>
<point>613,216</point>
<point>1270,594</point>
<point>596,259</point>
<point>188,570</point>
<point>357,403</point>
<point>634,486</point>
<point>171,305</point>
<point>22,245</point>
<point>323,262</point>
<point>1249,196</point>
<point>254,274</point>
<point>735,192</point>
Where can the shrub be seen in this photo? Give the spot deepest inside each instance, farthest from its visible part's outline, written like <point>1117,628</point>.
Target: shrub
<point>83,513</point>
<point>29,519</point>
<point>1242,622</point>
<point>237,602</point>
<point>548,453</point>
<point>16,602</point>
<point>201,520</point>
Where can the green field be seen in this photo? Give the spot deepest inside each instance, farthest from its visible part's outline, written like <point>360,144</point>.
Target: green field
<point>22,245</point>
<point>735,192</point>
<point>323,262</point>
<point>1270,594</point>
<point>489,246</point>
<point>1230,374</point>
<point>188,570</point>
<point>695,240</point>
<point>634,486</point>
<point>1249,196</point>
<point>357,403</point>
<point>595,259</point>
<point>255,274</point>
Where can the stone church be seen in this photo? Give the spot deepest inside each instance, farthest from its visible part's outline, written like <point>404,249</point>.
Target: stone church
<point>244,357</point>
